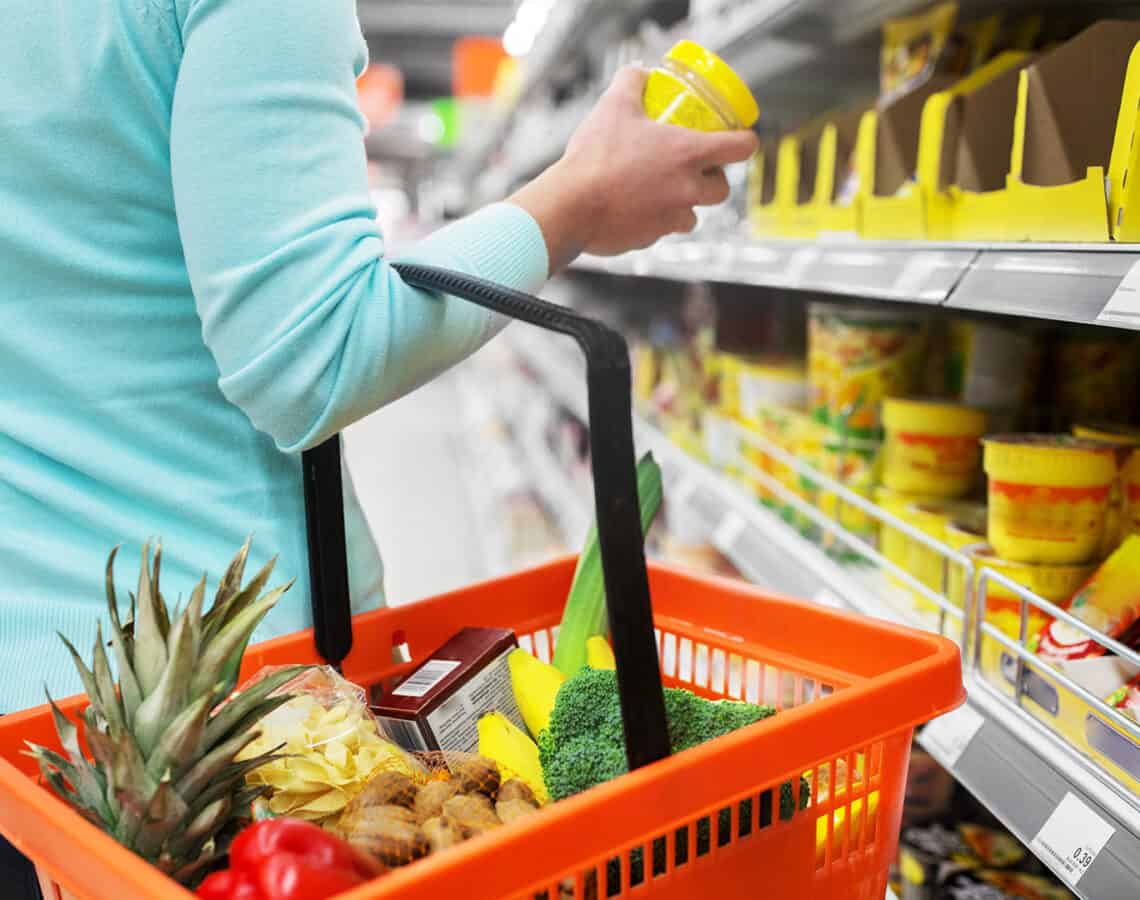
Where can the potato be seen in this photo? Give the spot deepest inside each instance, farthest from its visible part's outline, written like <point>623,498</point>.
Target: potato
<point>432,796</point>
<point>368,818</point>
<point>477,774</point>
<point>387,788</point>
<point>512,810</point>
<point>442,832</point>
<point>393,842</point>
<point>513,789</point>
<point>472,813</point>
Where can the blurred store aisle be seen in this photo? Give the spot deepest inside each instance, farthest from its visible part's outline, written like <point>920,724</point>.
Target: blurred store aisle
<point>405,461</point>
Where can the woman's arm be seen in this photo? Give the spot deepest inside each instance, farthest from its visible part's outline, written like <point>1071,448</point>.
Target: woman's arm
<point>310,328</point>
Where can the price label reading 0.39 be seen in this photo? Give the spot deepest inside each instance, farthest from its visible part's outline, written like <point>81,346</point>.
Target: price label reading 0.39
<point>1071,839</point>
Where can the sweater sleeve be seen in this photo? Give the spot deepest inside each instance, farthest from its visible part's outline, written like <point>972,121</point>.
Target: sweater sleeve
<point>310,327</point>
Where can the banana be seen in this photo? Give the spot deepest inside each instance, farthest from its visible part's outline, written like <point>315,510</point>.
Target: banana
<point>514,752</point>
<point>535,686</point>
<point>599,654</point>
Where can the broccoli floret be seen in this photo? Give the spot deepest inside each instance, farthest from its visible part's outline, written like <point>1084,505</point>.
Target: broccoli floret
<point>585,743</point>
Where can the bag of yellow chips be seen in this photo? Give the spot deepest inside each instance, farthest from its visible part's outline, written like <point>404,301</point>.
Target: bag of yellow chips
<point>329,746</point>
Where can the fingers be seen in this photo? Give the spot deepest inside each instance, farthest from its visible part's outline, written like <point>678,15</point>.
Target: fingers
<point>720,148</point>
<point>629,83</point>
<point>681,222</point>
<point>712,188</point>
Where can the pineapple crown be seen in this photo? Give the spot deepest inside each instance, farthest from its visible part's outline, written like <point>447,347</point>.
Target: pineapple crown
<point>163,779</point>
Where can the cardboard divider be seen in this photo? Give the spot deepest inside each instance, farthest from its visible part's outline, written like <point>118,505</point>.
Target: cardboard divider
<point>841,144</point>
<point>1076,115</point>
<point>798,162</point>
<point>762,214</point>
<point>892,199</point>
<point>969,198</point>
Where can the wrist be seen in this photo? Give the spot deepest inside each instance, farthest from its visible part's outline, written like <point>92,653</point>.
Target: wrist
<point>565,204</point>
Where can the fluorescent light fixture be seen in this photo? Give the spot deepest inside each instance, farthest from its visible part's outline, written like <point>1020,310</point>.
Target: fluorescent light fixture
<point>530,19</point>
<point>517,41</point>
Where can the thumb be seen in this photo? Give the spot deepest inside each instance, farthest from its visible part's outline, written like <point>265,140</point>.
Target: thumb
<point>719,148</point>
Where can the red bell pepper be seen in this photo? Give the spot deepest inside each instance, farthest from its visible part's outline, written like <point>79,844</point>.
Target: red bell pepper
<point>286,859</point>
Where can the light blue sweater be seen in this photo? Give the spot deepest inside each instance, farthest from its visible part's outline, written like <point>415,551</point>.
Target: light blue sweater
<point>192,291</point>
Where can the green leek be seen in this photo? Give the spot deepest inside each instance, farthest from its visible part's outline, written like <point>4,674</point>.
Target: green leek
<point>585,614</point>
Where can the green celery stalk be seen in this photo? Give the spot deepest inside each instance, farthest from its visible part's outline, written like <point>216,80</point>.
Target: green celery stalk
<point>585,614</point>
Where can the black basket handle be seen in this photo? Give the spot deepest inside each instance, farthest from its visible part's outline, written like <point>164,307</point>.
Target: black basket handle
<point>620,537</point>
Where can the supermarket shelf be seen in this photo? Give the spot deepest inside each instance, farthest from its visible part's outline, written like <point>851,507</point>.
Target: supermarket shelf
<point>1078,283</point>
<point>1018,768</point>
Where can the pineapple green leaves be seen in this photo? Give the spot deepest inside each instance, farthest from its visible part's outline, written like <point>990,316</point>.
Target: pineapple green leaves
<point>163,778</point>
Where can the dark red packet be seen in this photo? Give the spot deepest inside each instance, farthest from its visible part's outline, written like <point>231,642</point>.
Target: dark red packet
<point>438,706</point>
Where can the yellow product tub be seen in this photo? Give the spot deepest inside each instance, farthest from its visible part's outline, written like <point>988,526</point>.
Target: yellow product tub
<point>1123,509</point>
<point>893,544</point>
<point>1048,497</point>
<point>767,383</point>
<point>932,518</point>
<point>931,448</point>
<point>962,533</point>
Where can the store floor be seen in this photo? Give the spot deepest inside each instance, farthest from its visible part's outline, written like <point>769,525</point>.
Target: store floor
<point>407,465</point>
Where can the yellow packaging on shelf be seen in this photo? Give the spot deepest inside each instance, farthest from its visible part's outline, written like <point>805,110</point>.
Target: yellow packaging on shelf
<point>932,518</point>
<point>766,383</point>
<point>974,167</point>
<point>1123,511</point>
<point>763,214</point>
<point>1073,146</point>
<point>931,448</point>
<point>858,357</point>
<point>778,426</point>
<point>694,88</point>
<point>962,535</point>
<point>1108,743</point>
<point>924,141</point>
<point>1108,603</point>
<point>796,170</point>
<point>1057,584</point>
<point>854,464</point>
<point>842,144</point>
<point>893,543</point>
<point>1048,497</point>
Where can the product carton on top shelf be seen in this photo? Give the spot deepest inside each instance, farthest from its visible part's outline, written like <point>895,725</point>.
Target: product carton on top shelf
<point>841,145</point>
<point>762,191</point>
<point>976,156</point>
<point>795,182</point>
<point>891,199</point>
<point>1076,114</point>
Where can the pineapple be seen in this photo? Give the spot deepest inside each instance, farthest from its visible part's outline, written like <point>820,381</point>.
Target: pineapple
<point>165,780</point>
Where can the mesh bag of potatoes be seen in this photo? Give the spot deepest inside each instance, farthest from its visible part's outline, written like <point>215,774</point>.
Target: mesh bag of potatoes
<point>399,817</point>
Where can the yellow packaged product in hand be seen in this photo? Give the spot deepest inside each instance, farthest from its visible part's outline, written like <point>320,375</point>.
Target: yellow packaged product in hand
<point>330,747</point>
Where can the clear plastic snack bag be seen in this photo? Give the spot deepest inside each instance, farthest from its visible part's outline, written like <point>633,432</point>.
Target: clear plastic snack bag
<point>329,747</point>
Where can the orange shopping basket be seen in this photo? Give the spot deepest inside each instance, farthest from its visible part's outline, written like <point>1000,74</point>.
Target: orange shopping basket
<point>806,804</point>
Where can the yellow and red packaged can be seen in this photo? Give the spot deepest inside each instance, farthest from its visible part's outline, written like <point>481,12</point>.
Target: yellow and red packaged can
<point>1048,497</point>
<point>932,448</point>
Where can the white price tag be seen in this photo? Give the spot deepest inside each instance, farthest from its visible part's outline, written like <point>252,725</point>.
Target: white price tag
<point>1123,307</point>
<point>947,737</point>
<point>1071,839</point>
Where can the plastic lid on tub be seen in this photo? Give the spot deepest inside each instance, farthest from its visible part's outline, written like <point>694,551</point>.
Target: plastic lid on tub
<point>721,76</point>
<point>933,417</point>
